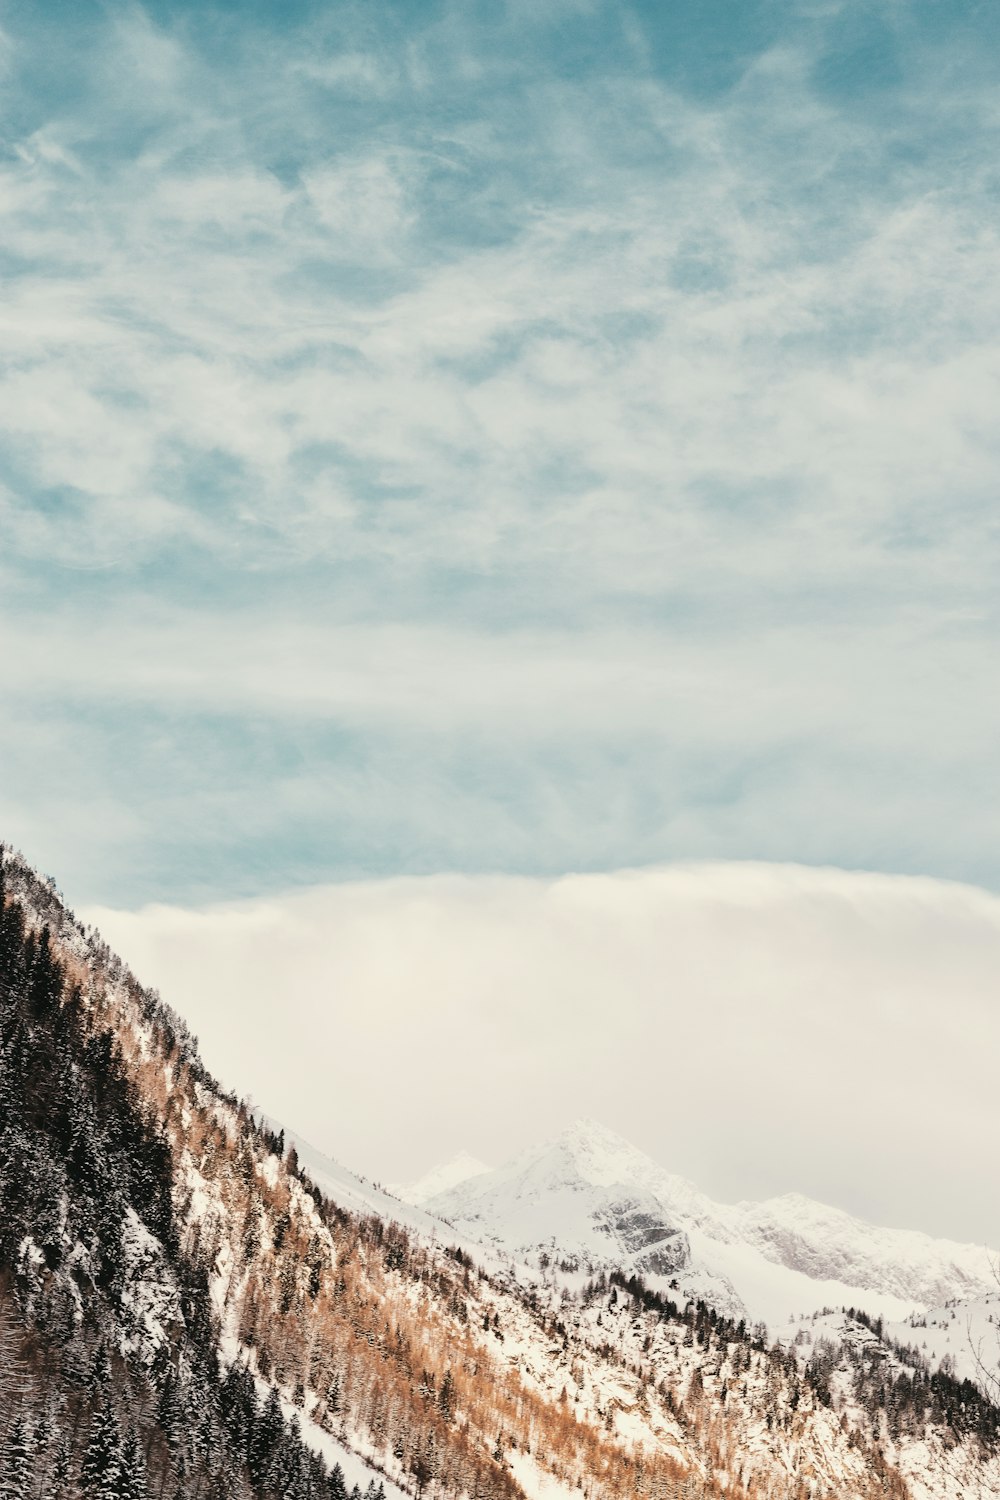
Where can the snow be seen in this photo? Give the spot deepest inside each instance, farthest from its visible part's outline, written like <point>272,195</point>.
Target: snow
<point>150,1295</point>
<point>564,1199</point>
<point>826,1242</point>
<point>535,1482</point>
<point>357,1195</point>
<point>355,1469</point>
<point>449,1174</point>
<point>773,1293</point>
<point>589,1197</point>
<point>966,1331</point>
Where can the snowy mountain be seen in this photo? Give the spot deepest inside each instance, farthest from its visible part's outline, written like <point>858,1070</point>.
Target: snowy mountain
<point>349,1190</point>
<point>963,1336</point>
<point>449,1174</point>
<point>573,1199</point>
<point>590,1200</point>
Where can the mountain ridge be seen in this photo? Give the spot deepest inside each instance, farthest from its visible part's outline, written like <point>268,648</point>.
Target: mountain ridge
<point>564,1191</point>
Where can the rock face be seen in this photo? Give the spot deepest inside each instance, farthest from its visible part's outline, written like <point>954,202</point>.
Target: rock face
<point>656,1247</point>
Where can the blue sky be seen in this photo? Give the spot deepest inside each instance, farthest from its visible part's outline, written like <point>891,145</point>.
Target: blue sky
<point>515,438</point>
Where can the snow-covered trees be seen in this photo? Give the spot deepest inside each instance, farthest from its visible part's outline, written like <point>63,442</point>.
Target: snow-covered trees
<point>87,1229</point>
<point>16,1468</point>
<point>132,1469</point>
<point>100,1473</point>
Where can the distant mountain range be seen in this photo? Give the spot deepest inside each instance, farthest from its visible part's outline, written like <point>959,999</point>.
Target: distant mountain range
<point>590,1200</point>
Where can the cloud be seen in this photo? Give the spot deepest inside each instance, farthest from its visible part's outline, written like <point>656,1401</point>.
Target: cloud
<point>719,333</point>
<point>254,750</point>
<point>523,452</point>
<point>698,687</point>
<point>440,446</point>
<point>760,1028</point>
<point>363,206</point>
<point>353,72</point>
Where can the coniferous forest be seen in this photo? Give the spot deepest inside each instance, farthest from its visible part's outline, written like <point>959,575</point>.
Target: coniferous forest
<point>86,1180</point>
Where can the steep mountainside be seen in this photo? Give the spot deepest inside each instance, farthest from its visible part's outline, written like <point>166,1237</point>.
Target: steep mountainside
<point>185,1310</point>
<point>595,1202</point>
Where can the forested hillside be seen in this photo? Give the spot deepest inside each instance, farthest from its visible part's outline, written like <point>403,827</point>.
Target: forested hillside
<point>109,1376</point>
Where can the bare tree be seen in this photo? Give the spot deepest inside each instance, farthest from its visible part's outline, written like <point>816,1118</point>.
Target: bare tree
<point>13,1374</point>
<point>988,1358</point>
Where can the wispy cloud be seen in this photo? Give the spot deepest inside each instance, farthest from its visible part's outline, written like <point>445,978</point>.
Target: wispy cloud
<point>279,749</point>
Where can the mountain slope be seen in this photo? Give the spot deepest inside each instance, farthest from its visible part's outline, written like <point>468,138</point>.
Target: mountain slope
<point>109,1372</point>
<point>376,1339</point>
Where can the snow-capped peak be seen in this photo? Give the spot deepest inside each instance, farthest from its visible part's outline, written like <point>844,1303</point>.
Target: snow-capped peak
<point>448,1174</point>
<point>588,1198</point>
<point>574,1198</point>
<point>601,1156</point>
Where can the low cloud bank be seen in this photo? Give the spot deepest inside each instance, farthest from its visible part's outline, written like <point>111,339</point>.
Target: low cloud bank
<point>759,1028</point>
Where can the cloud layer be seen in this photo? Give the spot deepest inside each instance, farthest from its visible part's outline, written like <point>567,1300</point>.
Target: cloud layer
<point>758,1028</point>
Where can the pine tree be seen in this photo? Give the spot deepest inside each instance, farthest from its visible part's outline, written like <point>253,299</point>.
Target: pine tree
<point>268,1434</point>
<point>45,982</point>
<point>44,1432</point>
<point>100,1373</point>
<point>132,1484</point>
<point>62,1469</point>
<point>16,1463</point>
<point>170,1415</point>
<point>101,1468</point>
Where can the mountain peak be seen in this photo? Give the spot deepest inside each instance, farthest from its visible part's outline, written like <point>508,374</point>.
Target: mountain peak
<point>587,1129</point>
<point>600,1155</point>
<point>440,1179</point>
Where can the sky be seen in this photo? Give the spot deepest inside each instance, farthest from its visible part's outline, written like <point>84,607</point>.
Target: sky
<point>497,440</point>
